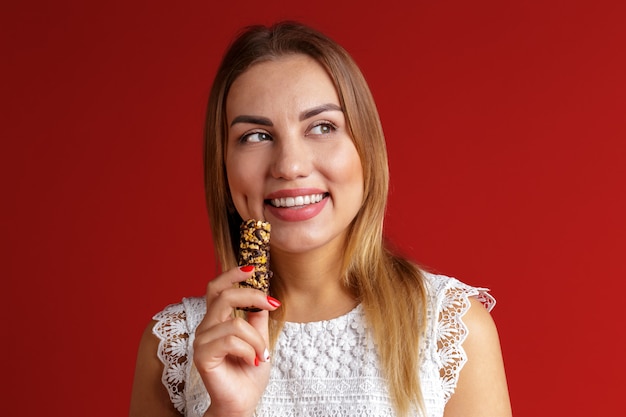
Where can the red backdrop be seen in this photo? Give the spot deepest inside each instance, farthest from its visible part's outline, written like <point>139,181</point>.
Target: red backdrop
<point>506,130</point>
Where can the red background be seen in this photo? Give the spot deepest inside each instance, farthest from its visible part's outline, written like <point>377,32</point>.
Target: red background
<point>506,131</point>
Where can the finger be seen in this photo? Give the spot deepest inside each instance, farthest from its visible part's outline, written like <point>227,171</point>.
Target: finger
<point>222,307</point>
<point>242,331</point>
<point>208,356</point>
<point>226,280</point>
<point>260,322</point>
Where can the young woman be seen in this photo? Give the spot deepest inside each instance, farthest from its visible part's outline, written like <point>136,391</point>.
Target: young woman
<point>293,138</point>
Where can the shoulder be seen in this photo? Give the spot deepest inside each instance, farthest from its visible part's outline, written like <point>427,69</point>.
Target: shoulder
<point>179,318</point>
<point>449,292</point>
<point>174,328</point>
<point>455,310</point>
<point>149,396</point>
<point>468,347</point>
<point>481,387</point>
<point>478,320</point>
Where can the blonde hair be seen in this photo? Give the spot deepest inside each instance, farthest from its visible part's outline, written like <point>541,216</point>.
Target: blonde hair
<point>389,287</point>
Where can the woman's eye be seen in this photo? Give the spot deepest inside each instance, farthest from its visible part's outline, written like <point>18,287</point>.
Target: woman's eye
<point>323,129</point>
<point>255,137</point>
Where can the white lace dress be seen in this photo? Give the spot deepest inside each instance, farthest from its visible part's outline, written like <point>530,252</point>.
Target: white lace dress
<point>327,368</point>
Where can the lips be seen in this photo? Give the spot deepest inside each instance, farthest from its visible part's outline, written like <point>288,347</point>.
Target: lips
<point>297,201</point>
<point>296,204</point>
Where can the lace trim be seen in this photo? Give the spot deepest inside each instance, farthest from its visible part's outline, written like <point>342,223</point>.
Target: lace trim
<point>451,331</point>
<point>171,329</point>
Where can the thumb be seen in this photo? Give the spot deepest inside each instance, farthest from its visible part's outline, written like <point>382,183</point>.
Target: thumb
<point>260,321</point>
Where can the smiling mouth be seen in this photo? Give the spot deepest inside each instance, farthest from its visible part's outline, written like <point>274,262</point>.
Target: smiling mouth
<point>301,200</point>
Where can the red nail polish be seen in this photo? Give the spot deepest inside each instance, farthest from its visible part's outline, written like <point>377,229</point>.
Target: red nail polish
<point>273,302</point>
<point>247,268</point>
<point>256,361</point>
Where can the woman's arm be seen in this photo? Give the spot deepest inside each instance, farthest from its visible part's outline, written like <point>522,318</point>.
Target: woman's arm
<point>149,396</point>
<point>482,389</point>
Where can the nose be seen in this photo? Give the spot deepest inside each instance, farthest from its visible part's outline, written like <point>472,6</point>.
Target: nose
<point>292,159</point>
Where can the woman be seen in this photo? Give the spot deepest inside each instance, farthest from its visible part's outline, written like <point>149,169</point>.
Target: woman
<point>293,138</point>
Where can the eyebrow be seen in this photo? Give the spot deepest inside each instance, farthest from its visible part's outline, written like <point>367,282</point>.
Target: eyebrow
<point>319,109</point>
<point>256,120</point>
<point>264,121</point>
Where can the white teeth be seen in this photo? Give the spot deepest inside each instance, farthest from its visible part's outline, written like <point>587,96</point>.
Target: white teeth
<point>301,200</point>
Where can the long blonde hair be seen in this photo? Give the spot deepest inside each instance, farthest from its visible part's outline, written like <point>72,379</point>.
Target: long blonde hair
<point>389,286</point>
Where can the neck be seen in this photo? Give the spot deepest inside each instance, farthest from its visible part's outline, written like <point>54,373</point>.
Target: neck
<point>311,286</point>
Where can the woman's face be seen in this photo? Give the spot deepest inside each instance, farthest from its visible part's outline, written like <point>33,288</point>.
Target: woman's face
<point>289,157</point>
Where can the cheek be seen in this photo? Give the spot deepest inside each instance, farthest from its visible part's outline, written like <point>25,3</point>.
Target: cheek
<point>345,166</point>
<point>240,173</point>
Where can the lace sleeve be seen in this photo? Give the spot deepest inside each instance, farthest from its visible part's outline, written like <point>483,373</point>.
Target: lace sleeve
<point>451,332</point>
<point>171,329</point>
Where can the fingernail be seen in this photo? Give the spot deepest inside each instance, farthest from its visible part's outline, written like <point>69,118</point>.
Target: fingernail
<point>256,361</point>
<point>273,302</point>
<point>247,268</point>
<point>266,356</point>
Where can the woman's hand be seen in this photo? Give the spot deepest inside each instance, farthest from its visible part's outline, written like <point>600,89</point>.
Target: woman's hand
<point>231,354</point>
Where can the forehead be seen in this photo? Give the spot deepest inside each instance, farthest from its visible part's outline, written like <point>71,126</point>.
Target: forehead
<point>289,82</point>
